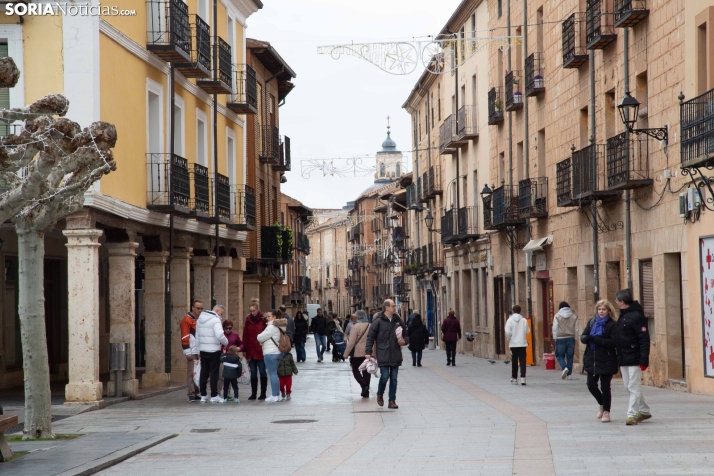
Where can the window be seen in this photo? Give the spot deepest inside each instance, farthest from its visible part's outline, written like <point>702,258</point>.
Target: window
<point>539,30</point>
<point>230,164</point>
<point>431,104</point>
<point>647,294</point>
<point>179,128</point>
<point>473,25</point>
<point>702,59</point>
<point>438,100</point>
<point>474,91</point>
<point>398,167</point>
<point>540,148</point>
<point>499,8</point>
<point>203,11</point>
<point>419,121</point>
<point>382,169</point>
<point>201,142</point>
<point>154,138</point>
<point>4,92</point>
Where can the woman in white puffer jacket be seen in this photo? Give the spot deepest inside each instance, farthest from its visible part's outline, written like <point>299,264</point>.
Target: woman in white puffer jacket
<point>210,336</point>
<point>269,339</point>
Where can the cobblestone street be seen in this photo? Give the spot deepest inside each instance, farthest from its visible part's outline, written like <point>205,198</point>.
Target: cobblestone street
<point>463,420</point>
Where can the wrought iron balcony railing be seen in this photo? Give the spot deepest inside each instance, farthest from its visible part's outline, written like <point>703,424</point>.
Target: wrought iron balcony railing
<point>201,201</point>
<point>574,54</point>
<point>222,80</point>
<point>412,197</point>
<point>629,13</point>
<point>467,226</point>
<point>564,183</point>
<point>697,131</point>
<point>535,83</point>
<point>448,227</point>
<point>628,162</point>
<point>245,98</point>
<point>269,141</point>
<point>434,179</point>
<point>200,64</point>
<point>223,199</point>
<point>168,184</point>
<point>506,206</point>
<point>514,95</point>
<point>243,216</point>
<point>533,197</point>
<point>447,134</point>
<point>168,35</point>
<point>275,244</point>
<point>302,243</point>
<point>495,106</point>
<point>467,123</point>
<point>588,176</point>
<point>284,155</point>
<point>599,30</point>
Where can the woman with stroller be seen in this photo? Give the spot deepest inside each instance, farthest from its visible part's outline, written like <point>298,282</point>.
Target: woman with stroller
<point>338,339</point>
<point>355,349</point>
<point>418,339</point>
<point>301,330</point>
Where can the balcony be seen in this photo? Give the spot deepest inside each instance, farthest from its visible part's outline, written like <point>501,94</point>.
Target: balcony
<point>467,123</point>
<point>564,183</point>
<point>398,237</point>
<point>588,178</point>
<point>697,131</point>
<point>533,197</point>
<point>423,259</point>
<point>275,244</point>
<point>413,197</point>
<point>284,155</point>
<point>423,187</point>
<point>302,243</point>
<point>467,224</point>
<point>200,64</point>
<point>222,80</point>
<point>200,204</point>
<point>269,144</point>
<point>243,218</point>
<point>535,84</point>
<point>434,179</point>
<point>506,207</point>
<point>447,134</point>
<point>168,187</point>
<point>222,212</point>
<point>629,13</point>
<point>448,227</point>
<point>355,291</point>
<point>399,286</point>
<point>599,30</point>
<point>245,98</point>
<point>628,162</point>
<point>574,54</point>
<point>495,106</point>
<point>168,35</point>
<point>514,95</point>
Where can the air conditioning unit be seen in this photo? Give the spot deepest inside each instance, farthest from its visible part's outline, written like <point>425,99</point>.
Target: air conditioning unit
<point>693,199</point>
<point>683,212</point>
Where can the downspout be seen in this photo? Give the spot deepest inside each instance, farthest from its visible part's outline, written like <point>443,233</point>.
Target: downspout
<point>270,173</point>
<point>596,259</point>
<point>526,158</point>
<point>417,214</point>
<point>510,157</point>
<point>167,294</point>
<point>628,230</point>
<point>215,151</point>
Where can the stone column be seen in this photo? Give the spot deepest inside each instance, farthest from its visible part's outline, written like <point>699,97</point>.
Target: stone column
<point>181,304</point>
<point>251,289</point>
<point>154,319</point>
<point>84,387</point>
<point>235,294</point>
<point>122,311</point>
<point>220,274</point>
<point>265,294</point>
<point>202,280</point>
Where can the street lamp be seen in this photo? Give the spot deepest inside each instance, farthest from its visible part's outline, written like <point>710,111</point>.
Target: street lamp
<point>628,108</point>
<point>429,220</point>
<point>486,192</point>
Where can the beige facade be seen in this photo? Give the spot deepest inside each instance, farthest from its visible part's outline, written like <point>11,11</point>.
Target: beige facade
<point>327,263</point>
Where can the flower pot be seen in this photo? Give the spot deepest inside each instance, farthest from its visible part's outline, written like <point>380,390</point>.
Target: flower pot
<point>538,83</point>
<point>517,97</point>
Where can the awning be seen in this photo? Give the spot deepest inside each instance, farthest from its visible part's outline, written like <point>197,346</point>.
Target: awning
<point>538,244</point>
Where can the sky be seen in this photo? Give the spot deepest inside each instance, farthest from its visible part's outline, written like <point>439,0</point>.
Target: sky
<point>339,108</point>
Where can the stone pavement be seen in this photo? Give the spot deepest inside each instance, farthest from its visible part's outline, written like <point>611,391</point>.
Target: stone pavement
<point>452,420</point>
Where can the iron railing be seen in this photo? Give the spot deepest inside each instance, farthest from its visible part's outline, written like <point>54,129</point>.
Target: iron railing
<point>564,183</point>
<point>467,122</point>
<point>628,162</point>
<point>200,64</point>
<point>223,197</point>
<point>588,177</point>
<point>284,155</point>
<point>168,187</point>
<point>398,237</point>
<point>629,13</point>
<point>467,226</point>
<point>697,131</point>
<point>169,31</point>
<point>201,191</point>
<point>301,242</point>
<point>274,244</point>
<point>434,181</point>
<point>574,54</point>
<point>412,197</point>
<point>506,206</point>
<point>598,26</point>
<point>448,227</point>
<point>495,106</point>
<point>535,83</point>
<point>514,95</point>
<point>222,80</point>
<point>447,132</point>
<point>245,98</point>
<point>269,150</point>
<point>533,197</point>
<point>244,216</point>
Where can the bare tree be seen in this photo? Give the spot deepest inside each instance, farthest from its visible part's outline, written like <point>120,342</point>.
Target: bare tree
<point>46,169</point>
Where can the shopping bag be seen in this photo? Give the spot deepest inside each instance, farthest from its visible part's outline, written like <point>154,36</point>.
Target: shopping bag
<point>244,378</point>
<point>196,372</point>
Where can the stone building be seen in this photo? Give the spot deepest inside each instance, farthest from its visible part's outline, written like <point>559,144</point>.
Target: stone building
<point>296,283</point>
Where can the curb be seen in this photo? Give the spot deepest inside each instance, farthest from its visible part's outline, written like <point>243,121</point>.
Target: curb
<point>115,458</point>
<point>157,392</point>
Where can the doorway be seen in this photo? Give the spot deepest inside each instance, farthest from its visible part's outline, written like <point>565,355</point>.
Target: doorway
<point>502,300</point>
<point>547,311</point>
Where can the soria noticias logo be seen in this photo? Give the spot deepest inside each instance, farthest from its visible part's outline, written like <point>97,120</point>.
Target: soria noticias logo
<point>51,8</point>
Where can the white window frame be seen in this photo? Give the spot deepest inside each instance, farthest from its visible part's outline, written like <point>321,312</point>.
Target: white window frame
<point>13,35</point>
<point>179,104</point>
<point>202,117</point>
<point>157,89</point>
<point>231,171</point>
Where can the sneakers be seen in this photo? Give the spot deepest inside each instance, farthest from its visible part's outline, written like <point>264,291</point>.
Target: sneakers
<point>235,400</point>
<point>380,400</point>
<point>523,380</point>
<point>272,399</point>
<point>600,412</point>
<point>564,375</point>
<point>643,416</point>
<point>216,399</point>
<point>631,421</point>
<point>282,394</point>
<point>192,399</point>
<point>570,377</point>
<point>392,405</point>
<point>319,359</point>
<point>204,399</point>
<point>514,381</point>
<point>605,417</point>
<point>287,397</point>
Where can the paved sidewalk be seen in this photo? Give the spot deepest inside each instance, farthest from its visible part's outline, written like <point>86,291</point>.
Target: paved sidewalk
<point>452,420</point>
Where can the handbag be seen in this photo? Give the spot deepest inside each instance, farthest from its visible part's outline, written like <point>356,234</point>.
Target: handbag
<point>197,373</point>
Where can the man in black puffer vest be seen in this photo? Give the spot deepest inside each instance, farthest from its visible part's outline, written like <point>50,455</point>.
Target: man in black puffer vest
<point>632,341</point>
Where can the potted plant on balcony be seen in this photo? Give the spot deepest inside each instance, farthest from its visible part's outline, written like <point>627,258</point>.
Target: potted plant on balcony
<point>518,97</point>
<point>538,81</point>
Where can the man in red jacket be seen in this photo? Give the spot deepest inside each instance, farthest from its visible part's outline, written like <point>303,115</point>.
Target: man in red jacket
<point>254,325</point>
<point>451,330</point>
<point>190,347</point>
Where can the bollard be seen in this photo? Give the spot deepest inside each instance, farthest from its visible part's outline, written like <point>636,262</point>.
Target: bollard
<point>431,343</point>
<point>117,363</point>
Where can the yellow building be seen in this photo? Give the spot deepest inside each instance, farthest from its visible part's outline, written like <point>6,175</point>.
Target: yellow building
<point>169,224</point>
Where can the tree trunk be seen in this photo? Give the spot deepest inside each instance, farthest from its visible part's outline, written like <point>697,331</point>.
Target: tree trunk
<point>38,404</point>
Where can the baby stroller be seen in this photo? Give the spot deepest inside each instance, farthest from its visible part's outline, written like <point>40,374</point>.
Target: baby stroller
<point>339,346</point>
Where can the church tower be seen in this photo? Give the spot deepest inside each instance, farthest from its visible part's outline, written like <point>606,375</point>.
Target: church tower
<point>389,160</point>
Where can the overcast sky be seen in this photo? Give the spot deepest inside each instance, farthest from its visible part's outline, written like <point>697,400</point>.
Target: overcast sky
<point>339,108</point>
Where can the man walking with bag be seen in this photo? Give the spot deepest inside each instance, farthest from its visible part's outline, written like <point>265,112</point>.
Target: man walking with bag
<point>388,334</point>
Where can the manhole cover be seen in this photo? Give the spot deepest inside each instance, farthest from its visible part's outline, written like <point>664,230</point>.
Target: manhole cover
<point>370,411</point>
<point>294,421</point>
<point>204,430</point>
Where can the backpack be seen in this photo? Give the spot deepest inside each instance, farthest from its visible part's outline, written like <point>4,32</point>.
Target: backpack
<point>285,345</point>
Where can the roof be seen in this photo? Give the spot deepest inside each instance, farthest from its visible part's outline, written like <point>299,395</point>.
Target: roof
<point>388,146</point>
<point>270,58</point>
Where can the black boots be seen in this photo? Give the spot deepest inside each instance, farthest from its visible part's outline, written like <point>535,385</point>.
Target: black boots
<point>365,392</point>
<point>413,363</point>
<point>263,387</point>
<point>253,389</point>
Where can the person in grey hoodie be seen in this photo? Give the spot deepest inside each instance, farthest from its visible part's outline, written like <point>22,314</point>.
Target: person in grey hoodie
<point>210,336</point>
<point>565,328</point>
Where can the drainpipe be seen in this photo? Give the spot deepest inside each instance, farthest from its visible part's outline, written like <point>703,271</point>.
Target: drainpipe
<point>526,159</point>
<point>596,259</point>
<point>417,214</point>
<point>167,294</point>
<point>215,150</point>
<point>628,230</point>
<point>510,157</point>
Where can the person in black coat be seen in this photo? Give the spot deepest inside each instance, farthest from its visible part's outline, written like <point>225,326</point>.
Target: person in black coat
<point>301,330</point>
<point>632,341</point>
<point>600,359</point>
<point>319,328</point>
<point>418,338</point>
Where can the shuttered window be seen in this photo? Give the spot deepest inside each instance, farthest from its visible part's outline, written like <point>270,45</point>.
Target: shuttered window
<point>647,293</point>
<point>4,94</point>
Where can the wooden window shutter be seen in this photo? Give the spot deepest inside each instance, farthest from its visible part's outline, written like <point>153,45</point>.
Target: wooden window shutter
<point>647,288</point>
<point>4,92</point>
